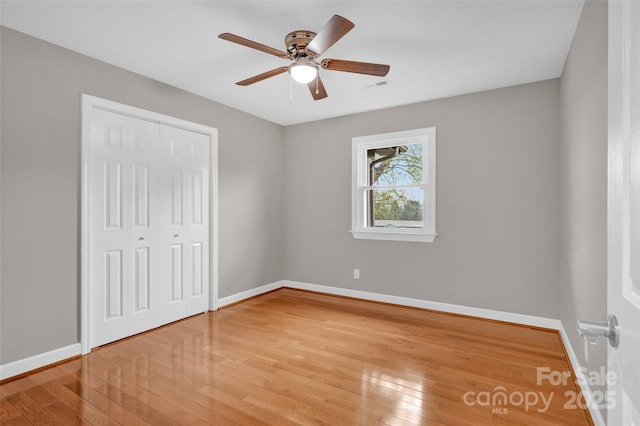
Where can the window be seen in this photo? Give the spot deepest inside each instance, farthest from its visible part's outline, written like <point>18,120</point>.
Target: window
<point>394,187</point>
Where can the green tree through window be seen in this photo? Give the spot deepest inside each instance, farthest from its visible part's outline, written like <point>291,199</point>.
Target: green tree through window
<point>396,175</point>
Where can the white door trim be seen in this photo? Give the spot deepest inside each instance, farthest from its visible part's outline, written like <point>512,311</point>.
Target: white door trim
<point>89,102</point>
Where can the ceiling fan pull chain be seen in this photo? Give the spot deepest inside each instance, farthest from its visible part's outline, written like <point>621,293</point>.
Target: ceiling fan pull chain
<point>290,87</point>
<point>317,82</point>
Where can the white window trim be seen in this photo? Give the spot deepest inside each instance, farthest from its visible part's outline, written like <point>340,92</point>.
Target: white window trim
<point>360,145</point>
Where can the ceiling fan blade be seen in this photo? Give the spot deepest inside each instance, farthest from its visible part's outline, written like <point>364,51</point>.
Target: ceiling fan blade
<point>317,88</point>
<point>263,76</point>
<point>357,67</point>
<point>253,44</point>
<point>332,31</point>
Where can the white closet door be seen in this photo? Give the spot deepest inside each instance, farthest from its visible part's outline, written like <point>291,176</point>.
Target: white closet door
<point>184,214</point>
<point>148,225</point>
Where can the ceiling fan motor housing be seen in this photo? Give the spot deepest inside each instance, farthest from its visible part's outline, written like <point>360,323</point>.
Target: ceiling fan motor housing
<point>297,42</point>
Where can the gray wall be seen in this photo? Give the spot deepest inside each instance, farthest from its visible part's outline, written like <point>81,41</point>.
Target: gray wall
<point>583,289</point>
<point>521,193</point>
<point>498,201</point>
<point>41,86</point>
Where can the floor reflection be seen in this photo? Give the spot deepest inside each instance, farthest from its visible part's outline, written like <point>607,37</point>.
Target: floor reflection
<point>406,393</point>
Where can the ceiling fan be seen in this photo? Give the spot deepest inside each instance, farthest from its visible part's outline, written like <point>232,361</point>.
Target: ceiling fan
<point>303,48</point>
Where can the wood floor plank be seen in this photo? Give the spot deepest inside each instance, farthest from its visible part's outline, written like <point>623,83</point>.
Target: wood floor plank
<point>7,411</point>
<point>182,389</point>
<point>164,384</point>
<point>30,410</point>
<point>18,421</point>
<point>55,384</point>
<point>292,357</point>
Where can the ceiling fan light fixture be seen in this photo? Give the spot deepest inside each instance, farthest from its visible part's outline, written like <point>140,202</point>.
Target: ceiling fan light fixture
<point>303,71</point>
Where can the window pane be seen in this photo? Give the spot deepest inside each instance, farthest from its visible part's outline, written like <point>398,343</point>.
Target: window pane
<point>396,208</point>
<point>401,165</point>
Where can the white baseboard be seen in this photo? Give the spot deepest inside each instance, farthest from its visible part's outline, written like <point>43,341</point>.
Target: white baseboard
<point>37,361</point>
<point>238,297</point>
<point>596,415</point>
<point>41,360</point>
<point>427,304</point>
<point>530,320</point>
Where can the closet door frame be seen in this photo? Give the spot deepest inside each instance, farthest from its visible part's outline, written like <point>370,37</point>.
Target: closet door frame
<point>88,104</point>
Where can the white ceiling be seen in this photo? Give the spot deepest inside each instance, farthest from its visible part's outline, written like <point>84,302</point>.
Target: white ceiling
<point>436,49</point>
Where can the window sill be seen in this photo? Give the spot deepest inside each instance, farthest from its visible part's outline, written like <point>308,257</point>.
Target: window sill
<point>395,235</point>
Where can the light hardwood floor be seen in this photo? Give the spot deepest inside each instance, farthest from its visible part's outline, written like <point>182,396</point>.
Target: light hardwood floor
<point>294,357</point>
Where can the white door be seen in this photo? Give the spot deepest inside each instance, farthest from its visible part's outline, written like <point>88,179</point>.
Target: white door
<point>183,205</point>
<point>623,293</point>
<point>148,225</point>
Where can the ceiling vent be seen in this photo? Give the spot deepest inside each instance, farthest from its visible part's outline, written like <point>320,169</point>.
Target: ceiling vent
<point>378,83</point>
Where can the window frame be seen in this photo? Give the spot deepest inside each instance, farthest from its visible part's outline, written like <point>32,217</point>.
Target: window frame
<point>359,185</point>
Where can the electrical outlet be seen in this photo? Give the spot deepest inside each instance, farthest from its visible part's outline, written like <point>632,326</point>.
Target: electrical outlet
<point>356,274</point>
